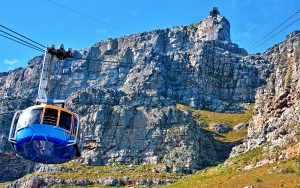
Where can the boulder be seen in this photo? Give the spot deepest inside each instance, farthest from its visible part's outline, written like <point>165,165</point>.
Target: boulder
<point>220,128</point>
<point>240,126</point>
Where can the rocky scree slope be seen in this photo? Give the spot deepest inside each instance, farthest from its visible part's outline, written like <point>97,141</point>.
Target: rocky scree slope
<point>127,108</point>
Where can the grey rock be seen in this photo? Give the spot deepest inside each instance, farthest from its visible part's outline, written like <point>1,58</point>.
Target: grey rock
<point>220,128</point>
<point>141,182</point>
<point>276,113</point>
<point>48,168</point>
<point>240,126</point>
<point>202,124</point>
<point>32,182</point>
<point>163,168</point>
<point>113,182</point>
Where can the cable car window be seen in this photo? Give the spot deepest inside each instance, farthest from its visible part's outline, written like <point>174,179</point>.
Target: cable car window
<point>28,117</point>
<point>50,116</point>
<point>35,116</point>
<point>65,120</point>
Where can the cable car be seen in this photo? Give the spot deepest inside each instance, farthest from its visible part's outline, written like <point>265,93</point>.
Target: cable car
<point>47,132</point>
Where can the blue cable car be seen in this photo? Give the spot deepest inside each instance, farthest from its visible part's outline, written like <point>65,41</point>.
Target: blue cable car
<point>47,133</point>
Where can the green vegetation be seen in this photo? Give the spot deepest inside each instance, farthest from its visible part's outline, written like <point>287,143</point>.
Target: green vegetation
<point>133,172</point>
<point>288,76</point>
<point>279,174</point>
<point>266,176</point>
<point>5,184</point>
<point>233,136</point>
<point>216,117</point>
<point>233,174</point>
<point>247,158</point>
<point>230,119</point>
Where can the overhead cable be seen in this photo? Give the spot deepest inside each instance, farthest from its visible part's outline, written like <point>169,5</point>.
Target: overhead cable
<point>23,36</point>
<point>88,59</point>
<point>84,15</point>
<point>38,49</point>
<point>17,38</point>
<point>290,17</point>
<point>295,21</point>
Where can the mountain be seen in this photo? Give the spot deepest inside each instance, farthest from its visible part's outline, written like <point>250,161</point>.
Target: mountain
<point>269,155</point>
<point>276,115</point>
<point>178,100</point>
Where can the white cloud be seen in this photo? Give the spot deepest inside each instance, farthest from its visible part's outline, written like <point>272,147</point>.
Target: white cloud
<point>11,62</point>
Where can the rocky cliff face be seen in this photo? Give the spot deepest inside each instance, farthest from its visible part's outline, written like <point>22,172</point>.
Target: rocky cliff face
<point>127,106</point>
<point>276,116</point>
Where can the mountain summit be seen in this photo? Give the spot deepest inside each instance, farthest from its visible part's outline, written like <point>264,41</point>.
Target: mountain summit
<point>214,27</point>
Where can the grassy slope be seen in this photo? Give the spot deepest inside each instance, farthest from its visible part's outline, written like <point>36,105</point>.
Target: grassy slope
<point>217,117</point>
<point>284,174</point>
<point>82,172</point>
<point>229,118</point>
<point>279,174</point>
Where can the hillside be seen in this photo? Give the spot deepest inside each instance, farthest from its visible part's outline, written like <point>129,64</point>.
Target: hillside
<point>176,102</point>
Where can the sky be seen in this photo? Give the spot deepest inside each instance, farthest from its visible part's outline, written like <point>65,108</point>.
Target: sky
<point>48,23</point>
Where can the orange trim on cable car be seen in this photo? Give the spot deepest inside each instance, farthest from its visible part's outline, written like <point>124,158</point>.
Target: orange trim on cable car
<point>58,117</point>
<point>57,108</point>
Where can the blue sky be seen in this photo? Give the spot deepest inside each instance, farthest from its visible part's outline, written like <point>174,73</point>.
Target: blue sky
<point>48,24</point>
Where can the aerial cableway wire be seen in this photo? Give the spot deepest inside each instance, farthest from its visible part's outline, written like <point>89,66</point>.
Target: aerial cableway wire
<point>88,59</point>
<point>85,15</point>
<point>292,23</point>
<point>35,47</point>
<point>21,43</point>
<point>23,36</point>
<point>24,41</point>
<point>254,45</point>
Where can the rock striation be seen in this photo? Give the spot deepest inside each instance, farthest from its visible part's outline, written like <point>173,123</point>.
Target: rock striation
<point>126,89</point>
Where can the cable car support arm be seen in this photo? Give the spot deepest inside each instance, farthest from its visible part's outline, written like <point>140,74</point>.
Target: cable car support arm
<point>44,85</point>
